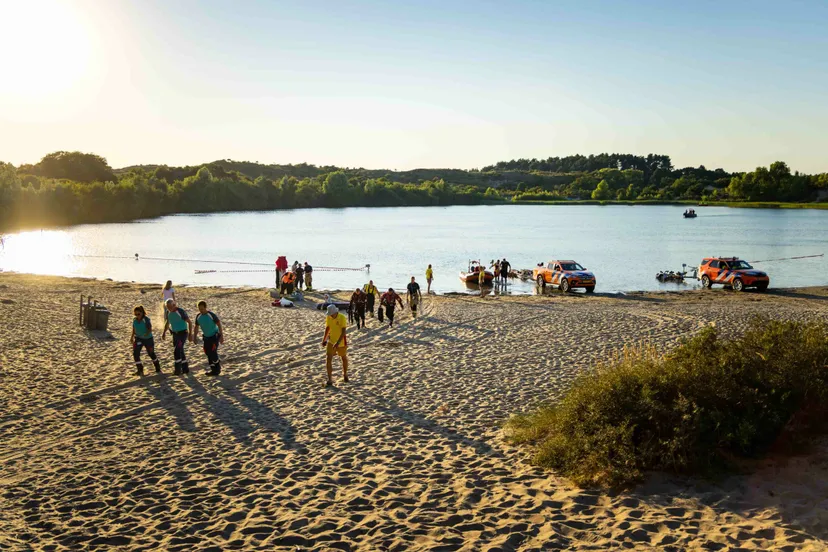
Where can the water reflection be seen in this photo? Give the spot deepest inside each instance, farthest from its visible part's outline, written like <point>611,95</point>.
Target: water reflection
<point>38,252</point>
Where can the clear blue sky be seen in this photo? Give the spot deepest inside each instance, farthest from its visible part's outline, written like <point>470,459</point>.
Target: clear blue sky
<point>416,84</point>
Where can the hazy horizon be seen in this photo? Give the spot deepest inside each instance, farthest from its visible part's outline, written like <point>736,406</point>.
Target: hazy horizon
<point>432,85</point>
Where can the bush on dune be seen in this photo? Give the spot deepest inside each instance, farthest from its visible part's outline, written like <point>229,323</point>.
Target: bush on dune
<point>692,411</point>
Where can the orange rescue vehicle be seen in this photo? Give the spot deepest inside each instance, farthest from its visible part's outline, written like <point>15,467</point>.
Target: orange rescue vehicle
<point>731,272</point>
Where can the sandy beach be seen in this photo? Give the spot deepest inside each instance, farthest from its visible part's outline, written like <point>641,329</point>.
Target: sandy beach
<point>407,456</point>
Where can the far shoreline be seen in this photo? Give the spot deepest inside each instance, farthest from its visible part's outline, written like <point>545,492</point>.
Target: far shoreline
<point>818,206</point>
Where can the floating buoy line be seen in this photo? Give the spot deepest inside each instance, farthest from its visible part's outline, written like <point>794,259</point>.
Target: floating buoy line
<point>213,261</point>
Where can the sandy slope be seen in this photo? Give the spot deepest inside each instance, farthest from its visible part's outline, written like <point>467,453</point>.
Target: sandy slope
<point>406,456</point>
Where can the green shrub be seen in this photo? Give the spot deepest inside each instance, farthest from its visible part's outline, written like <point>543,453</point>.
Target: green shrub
<point>692,411</point>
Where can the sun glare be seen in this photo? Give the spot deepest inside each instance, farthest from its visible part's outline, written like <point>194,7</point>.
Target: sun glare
<point>38,252</point>
<point>45,46</point>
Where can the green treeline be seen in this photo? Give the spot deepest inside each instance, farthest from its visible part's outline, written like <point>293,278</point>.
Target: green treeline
<point>72,187</point>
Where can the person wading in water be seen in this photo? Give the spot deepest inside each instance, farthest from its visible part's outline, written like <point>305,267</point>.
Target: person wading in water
<point>335,342</point>
<point>504,270</point>
<point>181,327</point>
<point>142,337</point>
<point>481,278</point>
<point>371,293</point>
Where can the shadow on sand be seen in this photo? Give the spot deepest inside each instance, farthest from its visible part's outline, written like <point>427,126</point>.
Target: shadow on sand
<point>245,415</point>
<point>161,391</point>
<point>795,294</point>
<point>381,404</point>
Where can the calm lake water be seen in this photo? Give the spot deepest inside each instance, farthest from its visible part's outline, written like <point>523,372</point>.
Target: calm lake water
<point>624,245</point>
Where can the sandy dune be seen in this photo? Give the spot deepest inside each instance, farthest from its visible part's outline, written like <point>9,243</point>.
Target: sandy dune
<point>408,456</point>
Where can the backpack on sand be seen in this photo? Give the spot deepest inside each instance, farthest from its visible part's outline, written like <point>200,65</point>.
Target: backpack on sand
<point>380,313</point>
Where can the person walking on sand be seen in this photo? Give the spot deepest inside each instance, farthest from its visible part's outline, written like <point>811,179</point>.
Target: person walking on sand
<point>142,337</point>
<point>213,333</point>
<point>181,327</point>
<point>371,293</point>
<point>357,307</point>
<point>335,342</point>
<point>389,300</point>
<point>169,293</point>
<point>308,277</point>
<point>413,296</point>
<point>429,278</point>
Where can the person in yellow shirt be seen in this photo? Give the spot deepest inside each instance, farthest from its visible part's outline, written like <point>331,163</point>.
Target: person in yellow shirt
<point>335,342</point>
<point>429,278</point>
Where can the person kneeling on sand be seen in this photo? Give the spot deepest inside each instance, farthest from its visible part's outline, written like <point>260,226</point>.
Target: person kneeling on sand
<point>142,337</point>
<point>213,333</point>
<point>181,327</point>
<point>335,342</point>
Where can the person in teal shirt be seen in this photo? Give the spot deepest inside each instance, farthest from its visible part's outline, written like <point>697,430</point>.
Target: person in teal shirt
<point>142,337</point>
<point>213,333</point>
<point>181,327</point>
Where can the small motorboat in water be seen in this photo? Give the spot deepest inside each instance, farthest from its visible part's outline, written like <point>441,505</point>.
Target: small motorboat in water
<point>690,213</point>
<point>472,275</point>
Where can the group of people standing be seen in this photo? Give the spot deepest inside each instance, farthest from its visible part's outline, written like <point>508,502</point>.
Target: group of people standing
<point>300,276</point>
<point>182,329</point>
<point>501,268</point>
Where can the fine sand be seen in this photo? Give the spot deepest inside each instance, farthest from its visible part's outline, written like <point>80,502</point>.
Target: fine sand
<point>407,456</point>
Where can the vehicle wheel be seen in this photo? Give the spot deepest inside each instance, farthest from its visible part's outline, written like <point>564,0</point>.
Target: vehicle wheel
<point>706,283</point>
<point>565,285</point>
<point>541,281</point>
<point>738,285</point>
<point>590,289</point>
<point>762,287</point>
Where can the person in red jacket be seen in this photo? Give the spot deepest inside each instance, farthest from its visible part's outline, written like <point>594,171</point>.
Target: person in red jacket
<point>389,300</point>
<point>281,268</point>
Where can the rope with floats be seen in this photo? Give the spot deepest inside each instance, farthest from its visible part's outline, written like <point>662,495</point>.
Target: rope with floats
<point>789,258</point>
<point>170,260</point>
<point>212,261</point>
<point>316,269</point>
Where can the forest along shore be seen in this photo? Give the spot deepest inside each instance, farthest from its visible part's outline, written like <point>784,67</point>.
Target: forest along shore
<point>409,454</point>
